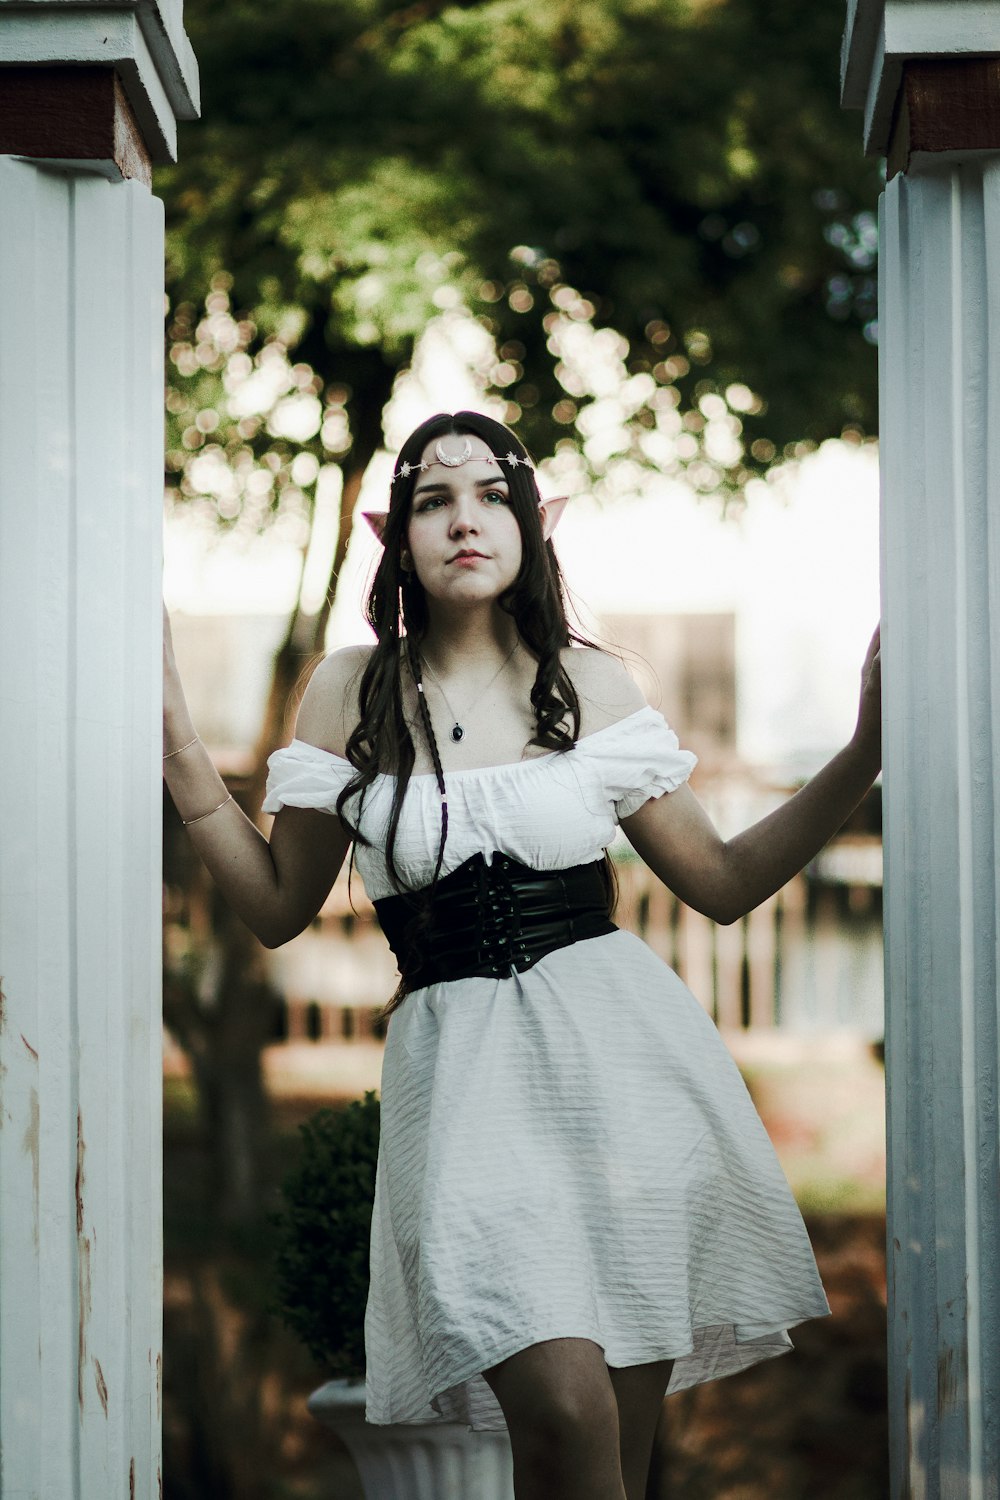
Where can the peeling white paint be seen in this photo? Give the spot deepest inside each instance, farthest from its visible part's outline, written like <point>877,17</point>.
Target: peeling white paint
<point>81,463</point>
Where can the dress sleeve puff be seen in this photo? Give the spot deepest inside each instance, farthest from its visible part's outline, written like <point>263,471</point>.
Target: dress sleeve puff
<point>639,758</point>
<point>303,775</point>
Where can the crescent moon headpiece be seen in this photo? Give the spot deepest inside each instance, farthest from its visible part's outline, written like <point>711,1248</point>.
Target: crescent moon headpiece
<point>454,458</point>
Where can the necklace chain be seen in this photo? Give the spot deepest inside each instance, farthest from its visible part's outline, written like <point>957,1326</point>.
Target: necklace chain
<point>457,731</point>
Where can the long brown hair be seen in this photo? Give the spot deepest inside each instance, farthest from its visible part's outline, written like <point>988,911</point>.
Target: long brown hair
<point>397,612</point>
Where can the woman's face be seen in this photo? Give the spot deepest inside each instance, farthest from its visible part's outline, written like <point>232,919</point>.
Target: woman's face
<point>463,537</point>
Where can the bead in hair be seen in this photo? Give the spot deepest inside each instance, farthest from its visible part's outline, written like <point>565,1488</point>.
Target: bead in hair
<point>414,660</point>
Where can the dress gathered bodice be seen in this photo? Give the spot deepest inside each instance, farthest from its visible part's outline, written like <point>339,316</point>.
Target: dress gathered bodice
<point>549,812</point>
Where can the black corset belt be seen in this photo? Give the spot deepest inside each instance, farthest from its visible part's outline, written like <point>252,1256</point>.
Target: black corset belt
<point>488,919</point>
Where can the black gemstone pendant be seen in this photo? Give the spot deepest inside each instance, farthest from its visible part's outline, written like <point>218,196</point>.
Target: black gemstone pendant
<point>458,732</point>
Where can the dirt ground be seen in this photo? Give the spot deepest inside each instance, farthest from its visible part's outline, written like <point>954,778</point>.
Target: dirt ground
<point>810,1425</point>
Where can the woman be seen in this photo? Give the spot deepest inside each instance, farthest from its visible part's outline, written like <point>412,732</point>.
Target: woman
<point>577,1206</point>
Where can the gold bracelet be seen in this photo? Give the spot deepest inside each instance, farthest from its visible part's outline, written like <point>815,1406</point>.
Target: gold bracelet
<point>182,747</point>
<point>186,822</point>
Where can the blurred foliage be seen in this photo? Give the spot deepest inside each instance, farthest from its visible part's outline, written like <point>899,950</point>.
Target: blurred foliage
<point>678,172</point>
<point>323,1234</point>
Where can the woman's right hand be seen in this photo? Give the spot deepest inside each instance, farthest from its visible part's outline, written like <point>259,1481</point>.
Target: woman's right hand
<point>177,726</point>
<point>169,662</point>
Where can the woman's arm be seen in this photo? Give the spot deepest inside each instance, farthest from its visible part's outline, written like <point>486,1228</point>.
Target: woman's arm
<point>726,878</point>
<point>276,888</point>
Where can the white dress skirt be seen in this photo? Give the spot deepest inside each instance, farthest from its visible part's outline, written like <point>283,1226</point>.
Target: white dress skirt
<point>569,1152</point>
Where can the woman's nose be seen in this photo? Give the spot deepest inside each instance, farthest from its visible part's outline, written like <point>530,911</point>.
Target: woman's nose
<point>463,517</point>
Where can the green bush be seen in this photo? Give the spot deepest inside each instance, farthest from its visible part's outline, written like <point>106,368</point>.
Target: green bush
<point>323,1234</point>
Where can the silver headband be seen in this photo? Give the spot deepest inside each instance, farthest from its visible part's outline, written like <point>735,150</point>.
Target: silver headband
<point>464,456</point>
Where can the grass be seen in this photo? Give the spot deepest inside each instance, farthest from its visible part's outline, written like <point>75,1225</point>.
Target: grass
<point>822,1099</point>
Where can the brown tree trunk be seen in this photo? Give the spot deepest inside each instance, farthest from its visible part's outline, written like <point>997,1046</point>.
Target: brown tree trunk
<point>224,1016</point>
<point>222,1010</point>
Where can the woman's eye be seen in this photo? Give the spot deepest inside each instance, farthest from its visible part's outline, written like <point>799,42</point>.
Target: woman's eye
<point>496,495</point>
<point>431,503</point>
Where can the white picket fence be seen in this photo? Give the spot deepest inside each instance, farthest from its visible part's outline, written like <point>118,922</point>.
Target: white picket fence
<point>808,959</point>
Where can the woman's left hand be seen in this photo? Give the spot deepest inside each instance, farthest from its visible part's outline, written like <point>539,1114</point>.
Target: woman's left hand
<point>868,734</point>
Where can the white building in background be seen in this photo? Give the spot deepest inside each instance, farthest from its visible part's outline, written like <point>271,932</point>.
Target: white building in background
<point>797,572</point>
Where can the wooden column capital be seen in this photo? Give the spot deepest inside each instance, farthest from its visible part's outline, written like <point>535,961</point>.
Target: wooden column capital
<point>945,105</point>
<point>73,115</point>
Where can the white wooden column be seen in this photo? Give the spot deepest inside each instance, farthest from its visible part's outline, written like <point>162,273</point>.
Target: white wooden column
<point>81,476</point>
<point>929,82</point>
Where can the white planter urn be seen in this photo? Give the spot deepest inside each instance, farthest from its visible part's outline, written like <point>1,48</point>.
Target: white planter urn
<point>415,1460</point>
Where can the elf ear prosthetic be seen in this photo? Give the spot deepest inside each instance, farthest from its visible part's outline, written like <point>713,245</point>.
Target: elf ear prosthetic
<point>376,520</point>
<point>551,511</point>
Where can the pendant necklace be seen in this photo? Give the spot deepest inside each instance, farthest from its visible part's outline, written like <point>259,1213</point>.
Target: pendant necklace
<point>457,732</point>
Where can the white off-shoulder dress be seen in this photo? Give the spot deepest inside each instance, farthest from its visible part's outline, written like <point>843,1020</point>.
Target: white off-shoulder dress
<point>569,1152</point>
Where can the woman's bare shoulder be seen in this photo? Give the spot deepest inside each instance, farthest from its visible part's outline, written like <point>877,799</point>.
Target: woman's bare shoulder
<point>606,690</point>
<point>328,712</point>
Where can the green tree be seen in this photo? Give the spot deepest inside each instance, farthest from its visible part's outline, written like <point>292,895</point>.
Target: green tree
<point>685,165</point>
